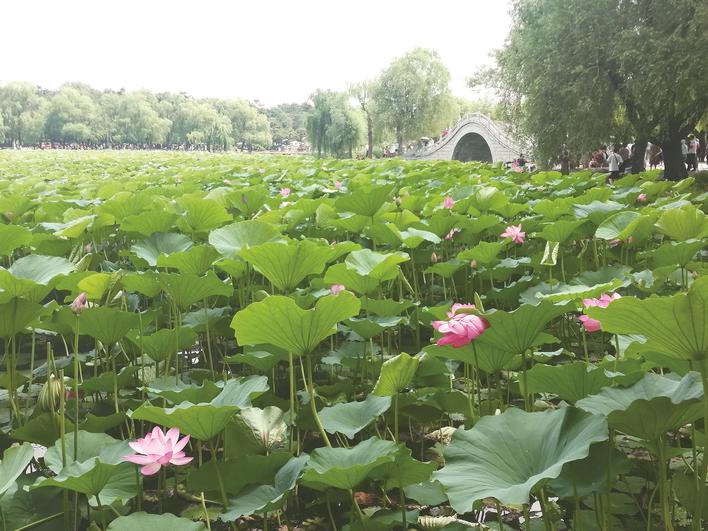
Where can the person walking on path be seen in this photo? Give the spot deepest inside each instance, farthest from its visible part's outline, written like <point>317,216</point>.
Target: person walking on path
<point>692,156</point>
<point>614,161</point>
<point>684,151</point>
<point>565,160</point>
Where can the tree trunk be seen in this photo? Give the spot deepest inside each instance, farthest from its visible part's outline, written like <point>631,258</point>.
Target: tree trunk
<point>399,140</point>
<point>674,167</point>
<point>640,147</point>
<point>370,137</point>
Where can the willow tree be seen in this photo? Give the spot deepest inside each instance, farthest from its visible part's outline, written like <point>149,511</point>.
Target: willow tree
<point>333,127</point>
<point>412,93</point>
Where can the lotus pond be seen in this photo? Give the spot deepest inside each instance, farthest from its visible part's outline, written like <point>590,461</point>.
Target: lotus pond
<point>195,341</point>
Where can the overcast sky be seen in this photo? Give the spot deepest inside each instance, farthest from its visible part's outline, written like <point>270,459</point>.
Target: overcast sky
<point>275,51</point>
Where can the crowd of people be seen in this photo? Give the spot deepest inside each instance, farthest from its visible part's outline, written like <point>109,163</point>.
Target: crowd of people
<point>617,158</point>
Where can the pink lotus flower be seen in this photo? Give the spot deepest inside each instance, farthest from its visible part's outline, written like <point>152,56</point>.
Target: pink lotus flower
<point>642,198</point>
<point>434,258</point>
<point>158,449</point>
<point>448,202</point>
<point>461,329</point>
<point>590,324</point>
<point>615,242</point>
<point>515,233</point>
<point>285,192</point>
<point>80,303</point>
<point>452,233</point>
<point>338,185</point>
<point>336,288</point>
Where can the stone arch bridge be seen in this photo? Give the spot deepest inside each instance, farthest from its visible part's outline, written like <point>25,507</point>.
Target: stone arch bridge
<point>474,137</point>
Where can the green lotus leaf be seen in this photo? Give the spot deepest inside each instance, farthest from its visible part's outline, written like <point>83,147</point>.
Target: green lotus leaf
<point>42,429</point>
<point>412,237</point>
<point>107,381</point>
<point>404,471</point>
<point>264,498</point>
<point>510,334</point>
<point>268,425</point>
<point>286,265</point>
<point>146,283</point>
<point>372,326</point>
<point>446,269</point>
<point>239,391</point>
<point>279,321</point>
<point>618,226</point>
<point>341,274</point>
<point>506,456</point>
<point>352,417</point>
<point>675,253</point>
<point>149,223</point>
<point>375,265</point>
<point>237,473</point>
<point>160,243</point>
<point>165,343</point>
<point>396,374</point>
<point>365,201</point>
<point>570,381</point>
<point>14,462</point>
<point>186,289</point>
<point>196,260</point>
<point>590,475</point>
<point>13,237</point>
<point>16,315</point>
<point>385,307</point>
<point>142,521</point>
<point>100,445</point>
<point>178,392</point>
<point>41,269</point>
<point>485,253</point>
<point>345,468</point>
<point>231,239</point>
<point>559,231</point>
<point>488,198</point>
<point>102,424</point>
<point>97,284</point>
<point>683,223</point>
<point>675,326</point>
<point>596,211</point>
<point>201,421</point>
<point>201,215</point>
<point>650,408</point>
<point>108,325</point>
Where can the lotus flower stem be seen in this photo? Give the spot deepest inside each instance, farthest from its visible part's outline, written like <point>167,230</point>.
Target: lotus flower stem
<point>76,388</point>
<point>313,406</point>
<point>291,377</point>
<point>206,513</point>
<point>664,490</point>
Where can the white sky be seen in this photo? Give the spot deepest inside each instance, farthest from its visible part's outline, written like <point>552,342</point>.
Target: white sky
<point>272,50</point>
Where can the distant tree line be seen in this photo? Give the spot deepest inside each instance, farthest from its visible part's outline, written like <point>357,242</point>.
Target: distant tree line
<point>77,113</point>
<point>410,100</point>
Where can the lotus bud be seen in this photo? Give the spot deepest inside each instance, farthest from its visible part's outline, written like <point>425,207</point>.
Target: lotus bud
<point>79,304</point>
<point>260,295</point>
<point>434,258</point>
<point>49,396</point>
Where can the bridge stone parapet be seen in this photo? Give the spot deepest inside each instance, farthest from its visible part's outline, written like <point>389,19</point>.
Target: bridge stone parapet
<point>474,137</point>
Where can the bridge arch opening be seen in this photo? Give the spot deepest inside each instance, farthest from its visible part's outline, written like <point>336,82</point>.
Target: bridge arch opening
<point>472,146</point>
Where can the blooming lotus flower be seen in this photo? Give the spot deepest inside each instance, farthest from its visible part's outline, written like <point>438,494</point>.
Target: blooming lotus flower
<point>79,304</point>
<point>336,288</point>
<point>452,233</point>
<point>462,328</point>
<point>285,192</point>
<point>642,198</point>
<point>515,233</point>
<point>590,324</point>
<point>338,185</point>
<point>448,202</point>
<point>158,449</point>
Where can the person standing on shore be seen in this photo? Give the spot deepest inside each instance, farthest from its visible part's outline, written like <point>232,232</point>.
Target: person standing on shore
<point>565,160</point>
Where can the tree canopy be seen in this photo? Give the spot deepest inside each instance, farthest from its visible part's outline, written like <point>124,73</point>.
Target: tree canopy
<point>581,73</point>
